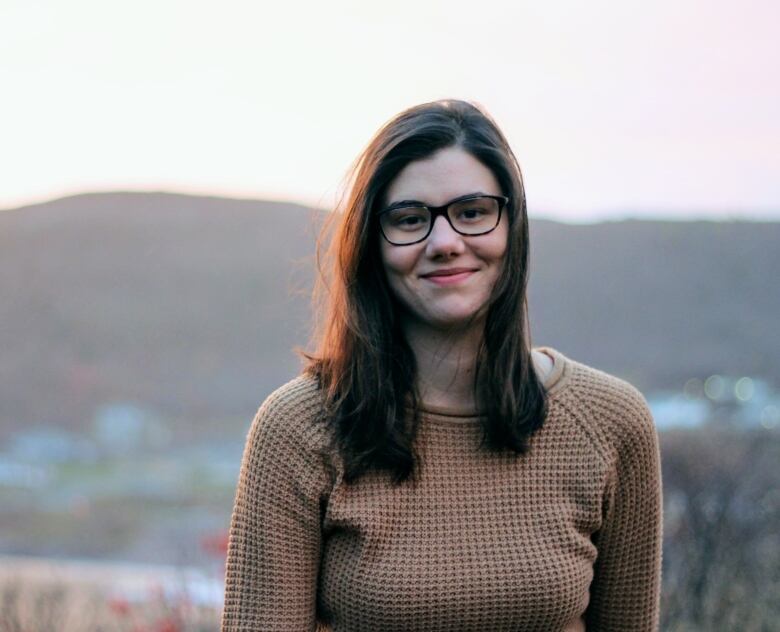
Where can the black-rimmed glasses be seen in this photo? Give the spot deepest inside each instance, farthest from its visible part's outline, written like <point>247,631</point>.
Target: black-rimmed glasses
<point>407,223</point>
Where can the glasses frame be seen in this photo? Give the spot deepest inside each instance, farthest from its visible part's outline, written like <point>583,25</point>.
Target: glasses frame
<point>435,211</point>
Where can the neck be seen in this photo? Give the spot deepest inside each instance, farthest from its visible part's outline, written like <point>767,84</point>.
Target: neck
<point>446,363</point>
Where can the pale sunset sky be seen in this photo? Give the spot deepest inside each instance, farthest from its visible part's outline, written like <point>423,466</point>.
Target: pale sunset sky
<point>619,108</point>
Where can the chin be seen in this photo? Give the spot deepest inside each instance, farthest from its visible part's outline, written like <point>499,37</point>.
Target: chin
<point>456,321</point>
<point>453,316</point>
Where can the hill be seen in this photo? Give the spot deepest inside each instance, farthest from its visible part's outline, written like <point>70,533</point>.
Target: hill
<point>192,305</point>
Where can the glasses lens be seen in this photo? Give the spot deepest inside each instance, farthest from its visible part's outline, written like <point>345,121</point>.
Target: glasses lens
<point>405,225</point>
<point>475,216</point>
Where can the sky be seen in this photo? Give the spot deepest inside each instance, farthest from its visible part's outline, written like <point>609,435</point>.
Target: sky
<point>620,108</point>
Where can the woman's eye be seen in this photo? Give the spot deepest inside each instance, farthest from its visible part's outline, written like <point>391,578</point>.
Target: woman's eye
<point>409,220</point>
<point>471,214</point>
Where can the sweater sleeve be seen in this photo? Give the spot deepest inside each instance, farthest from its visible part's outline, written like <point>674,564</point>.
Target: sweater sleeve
<point>275,538</point>
<point>625,591</point>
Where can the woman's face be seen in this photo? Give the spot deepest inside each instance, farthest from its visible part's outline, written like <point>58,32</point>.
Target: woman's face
<point>414,272</point>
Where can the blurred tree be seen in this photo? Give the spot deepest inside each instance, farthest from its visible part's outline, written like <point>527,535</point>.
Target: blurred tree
<point>721,541</point>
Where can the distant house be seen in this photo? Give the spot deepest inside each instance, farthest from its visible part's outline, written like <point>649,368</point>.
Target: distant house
<point>122,427</point>
<point>24,475</point>
<point>47,444</point>
<point>744,401</point>
<point>676,410</point>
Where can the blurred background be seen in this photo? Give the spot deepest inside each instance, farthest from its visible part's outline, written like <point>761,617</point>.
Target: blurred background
<point>165,167</point>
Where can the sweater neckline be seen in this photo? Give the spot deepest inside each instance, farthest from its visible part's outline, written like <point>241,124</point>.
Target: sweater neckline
<point>555,380</point>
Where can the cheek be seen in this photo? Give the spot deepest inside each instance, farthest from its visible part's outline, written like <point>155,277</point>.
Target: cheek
<point>388,265</point>
<point>391,273</point>
<point>494,250</point>
<point>397,261</point>
<point>496,254</point>
<point>389,268</point>
<point>399,267</point>
<point>503,241</point>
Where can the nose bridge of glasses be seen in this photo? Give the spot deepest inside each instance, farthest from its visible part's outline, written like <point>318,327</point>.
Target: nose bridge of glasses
<point>443,212</point>
<point>440,216</point>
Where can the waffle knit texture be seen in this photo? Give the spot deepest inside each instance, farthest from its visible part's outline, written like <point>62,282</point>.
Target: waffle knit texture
<point>564,538</point>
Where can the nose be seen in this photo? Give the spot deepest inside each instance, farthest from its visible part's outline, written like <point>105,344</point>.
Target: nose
<point>443,240</point>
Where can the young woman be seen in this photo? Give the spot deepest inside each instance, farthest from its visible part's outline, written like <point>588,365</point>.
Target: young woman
<point>430,470</point>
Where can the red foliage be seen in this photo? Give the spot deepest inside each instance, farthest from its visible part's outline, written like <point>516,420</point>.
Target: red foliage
<point>119,606</point>
<point>168,624</point>
<point>215,544</point>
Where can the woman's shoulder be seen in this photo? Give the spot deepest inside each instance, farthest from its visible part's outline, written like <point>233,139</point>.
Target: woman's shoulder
<point>611,409</point>
<point>292,412</point>
<point>301,395</point>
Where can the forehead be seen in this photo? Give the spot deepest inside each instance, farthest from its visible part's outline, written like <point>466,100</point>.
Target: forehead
<point>441,177</point>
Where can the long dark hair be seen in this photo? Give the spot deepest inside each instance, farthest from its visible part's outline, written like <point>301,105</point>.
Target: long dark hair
<point>362,361</point>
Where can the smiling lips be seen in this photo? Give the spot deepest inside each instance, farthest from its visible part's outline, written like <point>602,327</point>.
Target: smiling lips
<point>448,276</point>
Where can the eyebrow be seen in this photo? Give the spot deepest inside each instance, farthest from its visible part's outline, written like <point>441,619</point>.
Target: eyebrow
<point>404,203</point>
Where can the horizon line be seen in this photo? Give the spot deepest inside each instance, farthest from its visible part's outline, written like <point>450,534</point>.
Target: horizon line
<point>602,216</point>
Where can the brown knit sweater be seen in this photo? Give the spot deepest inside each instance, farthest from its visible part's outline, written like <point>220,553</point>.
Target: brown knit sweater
<point>565,538</point>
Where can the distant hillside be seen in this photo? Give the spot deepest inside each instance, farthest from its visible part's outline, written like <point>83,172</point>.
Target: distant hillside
<point>191,305</point>
<point>659,302</point>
